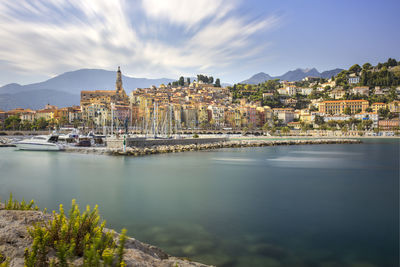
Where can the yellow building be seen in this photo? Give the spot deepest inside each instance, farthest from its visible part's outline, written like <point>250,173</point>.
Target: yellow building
<point>60,114</point>
<point>377,106</point>
<point>203,114</point>
<point>306,116</point>
<point>106,96</point>
<point>337,94</point>
<point>47,114</point>
<point>27,115</point>
<point>394,106</point>
<point>339,106</point>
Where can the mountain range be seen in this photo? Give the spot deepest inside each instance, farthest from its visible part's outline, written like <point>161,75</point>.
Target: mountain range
<point>64,90</point>
<point>293,75</point>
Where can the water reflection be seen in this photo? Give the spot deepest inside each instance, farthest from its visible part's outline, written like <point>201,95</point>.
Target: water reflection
<point>327,205</point>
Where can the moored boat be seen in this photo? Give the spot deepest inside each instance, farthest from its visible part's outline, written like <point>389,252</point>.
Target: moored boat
<point>40,143</point>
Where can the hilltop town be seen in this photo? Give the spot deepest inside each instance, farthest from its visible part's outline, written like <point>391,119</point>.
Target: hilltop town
<point>358,101</point>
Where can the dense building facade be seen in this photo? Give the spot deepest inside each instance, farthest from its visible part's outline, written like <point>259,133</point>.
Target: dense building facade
<point>339,106</point>
<point>99,106</point>
<point>117,96</point>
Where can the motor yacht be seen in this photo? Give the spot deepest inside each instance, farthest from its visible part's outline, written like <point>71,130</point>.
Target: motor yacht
<point>40,143</point>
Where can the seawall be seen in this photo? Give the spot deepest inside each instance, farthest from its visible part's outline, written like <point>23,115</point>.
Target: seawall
<point>143,142</point>
<point>160,149</point>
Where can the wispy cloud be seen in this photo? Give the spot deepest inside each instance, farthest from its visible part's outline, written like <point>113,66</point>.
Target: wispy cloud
<point>149,38</point>
<point>186,12</point>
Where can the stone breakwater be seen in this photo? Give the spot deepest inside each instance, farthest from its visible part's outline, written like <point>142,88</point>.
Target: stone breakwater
<point>14,238</point>
<point>142,151</point>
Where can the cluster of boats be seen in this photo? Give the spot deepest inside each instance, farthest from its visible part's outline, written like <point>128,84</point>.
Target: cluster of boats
<point>56,142</point>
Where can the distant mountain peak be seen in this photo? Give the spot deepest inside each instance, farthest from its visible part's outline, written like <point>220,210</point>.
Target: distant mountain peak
<point>292,75</point>
<point>10,85</point>
<point>306,70</point>
<point>64,89</point>
<point>258,78</point>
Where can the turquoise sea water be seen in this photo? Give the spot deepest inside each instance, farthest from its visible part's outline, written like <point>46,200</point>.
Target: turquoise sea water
<point>311,205</point>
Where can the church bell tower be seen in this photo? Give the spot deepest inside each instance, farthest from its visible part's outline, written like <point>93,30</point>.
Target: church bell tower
<point>118,83</point>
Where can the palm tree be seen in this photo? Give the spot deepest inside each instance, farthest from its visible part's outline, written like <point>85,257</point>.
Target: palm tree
<point>266,127</point>
<point>285,130</point>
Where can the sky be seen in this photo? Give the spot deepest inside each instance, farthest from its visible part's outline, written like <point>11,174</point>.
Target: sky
<point>229,39</point>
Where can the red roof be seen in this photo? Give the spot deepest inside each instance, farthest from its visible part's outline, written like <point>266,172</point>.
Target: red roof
<point>346,101</point>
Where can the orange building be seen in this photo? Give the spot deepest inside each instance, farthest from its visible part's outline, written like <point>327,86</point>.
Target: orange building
<point>389,125</point>
<point>339,106</point>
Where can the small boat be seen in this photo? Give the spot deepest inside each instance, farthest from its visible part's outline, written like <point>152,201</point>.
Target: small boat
<point>40,143</point>
<point>84,141</point>
<point>71,137</point>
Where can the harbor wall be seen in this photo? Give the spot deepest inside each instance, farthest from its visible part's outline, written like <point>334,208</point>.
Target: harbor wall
<point>142,142</point>
<point>159,149</point>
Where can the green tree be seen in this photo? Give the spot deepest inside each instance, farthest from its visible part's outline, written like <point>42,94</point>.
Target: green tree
<point>181,81</point>
<point>319,120</point>
<point>62,121</point>
<point>305,126</point>
<point>341,78</point>
<point>52,122</point>
<point>217,83</point>
<point>285,130</point>
<point>76,123</point>
<point>266,127</point>
<point>384,113</point>
<point>355,68</point>
<point>273,130</point>
<point>366,66</point>
<point>347,111</point>
<point>40,124</point>
<point>391,62</point>
<point>12,122</point>
<point>188,81</point>
<point>367,124</point>
<point>26,125</point>
<point>332,124</point>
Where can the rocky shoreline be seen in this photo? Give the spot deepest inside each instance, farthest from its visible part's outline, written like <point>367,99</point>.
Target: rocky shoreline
<point>14,238</point>
<point>136,151</point>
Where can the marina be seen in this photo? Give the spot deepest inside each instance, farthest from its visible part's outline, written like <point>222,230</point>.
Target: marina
<point>139,146</point>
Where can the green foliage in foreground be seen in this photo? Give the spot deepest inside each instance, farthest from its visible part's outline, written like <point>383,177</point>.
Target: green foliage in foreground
<point>12,204</point>
<point>80,235</point>
<point>4,261</point>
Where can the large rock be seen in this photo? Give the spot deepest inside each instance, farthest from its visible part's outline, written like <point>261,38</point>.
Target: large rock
<point>14,238</point>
